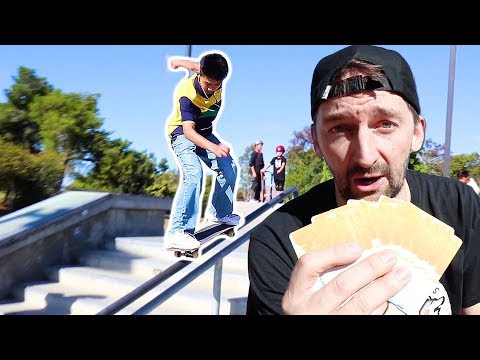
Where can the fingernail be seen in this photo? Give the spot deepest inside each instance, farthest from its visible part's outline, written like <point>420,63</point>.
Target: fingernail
<point>353,249</point>
<point>388,256</point>
<point>402,273</point>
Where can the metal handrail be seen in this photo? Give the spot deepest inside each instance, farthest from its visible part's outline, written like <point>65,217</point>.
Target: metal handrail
<point>180,284</point>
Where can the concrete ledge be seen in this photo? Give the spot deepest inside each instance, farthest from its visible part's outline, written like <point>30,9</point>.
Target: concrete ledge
<point>59,229</point>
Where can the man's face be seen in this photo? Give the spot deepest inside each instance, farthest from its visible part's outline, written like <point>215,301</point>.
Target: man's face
<point>209,85</point>
<point>366,139</point>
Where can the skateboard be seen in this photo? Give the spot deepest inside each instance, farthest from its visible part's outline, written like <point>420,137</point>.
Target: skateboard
<point>206,235</point>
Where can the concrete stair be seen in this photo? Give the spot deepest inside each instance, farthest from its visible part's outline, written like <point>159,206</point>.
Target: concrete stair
<point>103,276</point>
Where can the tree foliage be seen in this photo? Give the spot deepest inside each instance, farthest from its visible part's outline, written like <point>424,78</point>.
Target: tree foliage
<point>470,162</point>
<point>16,125</point>
<point>431,156</point>
<point>245,174</point>
<point>67,123</point>
<point>118,169</point>
<point>304,168</point>
<point>25,177</point>
<point>49,136</point>
<point>165,183</point>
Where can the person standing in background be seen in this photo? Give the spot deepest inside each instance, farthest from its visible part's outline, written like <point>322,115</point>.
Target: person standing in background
<point>464,176</point>
<point>256,165</point>
<point>279,163</point>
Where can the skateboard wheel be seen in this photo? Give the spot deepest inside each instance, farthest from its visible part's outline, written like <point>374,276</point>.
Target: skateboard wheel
<point>177,254</point>
<point>195,254</point>
<point>231,233</point>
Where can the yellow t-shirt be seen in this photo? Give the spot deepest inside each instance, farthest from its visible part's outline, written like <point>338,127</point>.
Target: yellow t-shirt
<point>191,106</point>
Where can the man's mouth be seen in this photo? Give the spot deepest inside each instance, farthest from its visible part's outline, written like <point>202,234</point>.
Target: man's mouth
<point>368,184</point>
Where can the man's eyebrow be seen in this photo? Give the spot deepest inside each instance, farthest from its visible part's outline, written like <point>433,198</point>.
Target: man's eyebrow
<point>377,111</point>
<point>385,112</point>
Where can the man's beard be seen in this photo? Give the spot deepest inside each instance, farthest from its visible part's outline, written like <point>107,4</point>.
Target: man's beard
<point>395,178</point>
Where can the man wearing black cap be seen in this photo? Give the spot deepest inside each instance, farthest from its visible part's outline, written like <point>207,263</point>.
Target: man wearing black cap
<point>366,122</point>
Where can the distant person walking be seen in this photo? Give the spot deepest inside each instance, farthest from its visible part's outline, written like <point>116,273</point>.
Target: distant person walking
<point>279,163</point>
<point>464,176</point>
<point>256,165</point>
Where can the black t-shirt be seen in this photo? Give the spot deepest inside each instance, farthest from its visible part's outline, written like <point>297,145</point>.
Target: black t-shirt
<point>277,162</point>
<point>271,257</point>
<point>256,160</point>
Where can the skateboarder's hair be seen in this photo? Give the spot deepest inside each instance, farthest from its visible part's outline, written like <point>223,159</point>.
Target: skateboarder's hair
<point>214,66</point>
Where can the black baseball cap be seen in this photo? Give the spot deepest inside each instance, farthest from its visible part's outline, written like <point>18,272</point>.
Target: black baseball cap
<point>398,79</point>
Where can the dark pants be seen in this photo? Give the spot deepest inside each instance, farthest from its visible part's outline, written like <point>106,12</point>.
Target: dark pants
<point>256,188</point>
<point>279,184</point>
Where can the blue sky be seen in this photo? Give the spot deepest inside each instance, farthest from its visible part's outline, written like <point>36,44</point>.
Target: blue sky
<point>266,96</point>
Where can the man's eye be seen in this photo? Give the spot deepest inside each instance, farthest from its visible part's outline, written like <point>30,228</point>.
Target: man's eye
<point>338,129</point>
<point>387,124</point>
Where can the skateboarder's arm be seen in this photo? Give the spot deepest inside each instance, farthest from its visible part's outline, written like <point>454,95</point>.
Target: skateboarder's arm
<point>188,64</point>
<point>220,150</point>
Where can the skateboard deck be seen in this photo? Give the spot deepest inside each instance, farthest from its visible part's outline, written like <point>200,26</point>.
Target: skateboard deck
<point>205,236</point>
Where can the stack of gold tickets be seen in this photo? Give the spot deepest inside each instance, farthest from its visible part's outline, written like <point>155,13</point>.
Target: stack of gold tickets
<point>423,243</point>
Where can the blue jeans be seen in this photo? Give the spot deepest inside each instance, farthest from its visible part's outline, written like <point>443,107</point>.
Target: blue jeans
<point>187,200</point>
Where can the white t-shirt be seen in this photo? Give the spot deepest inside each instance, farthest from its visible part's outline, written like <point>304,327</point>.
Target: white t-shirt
<point>474,185</point>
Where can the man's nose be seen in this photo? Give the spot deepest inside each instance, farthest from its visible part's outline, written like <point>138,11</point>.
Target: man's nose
<point>366,152</point>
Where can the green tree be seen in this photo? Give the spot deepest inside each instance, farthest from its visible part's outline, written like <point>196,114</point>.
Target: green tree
<point>431,156</point>
<point>118,169</point>
<point>27,178</point>
<point>470,162</point>
<point>165,183</point>
<point>16,124</point>
<point>206,195</point>
<point>14,164</point>
<point>245,173</point>
<point>68,124</point>
<point>17,128</point>
<point>304,168</point>
<point>46,171</point>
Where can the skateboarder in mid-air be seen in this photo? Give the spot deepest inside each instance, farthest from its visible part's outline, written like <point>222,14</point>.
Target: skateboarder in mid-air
<point>197,101</point>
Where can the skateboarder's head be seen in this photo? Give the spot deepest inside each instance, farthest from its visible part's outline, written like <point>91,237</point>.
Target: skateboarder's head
<point>213,70</point>
<point>214,66</point>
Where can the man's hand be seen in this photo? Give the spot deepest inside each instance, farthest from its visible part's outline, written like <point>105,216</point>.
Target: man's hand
<point>188,64</point>
<point>174,64</point>
<point>348,292</point>
<point>221,150</point>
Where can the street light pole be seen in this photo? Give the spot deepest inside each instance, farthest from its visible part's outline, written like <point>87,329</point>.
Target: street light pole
<point>189,50</point>
<point>448,131</point>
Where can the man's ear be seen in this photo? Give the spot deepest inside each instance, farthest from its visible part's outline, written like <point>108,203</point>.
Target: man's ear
<point>313,130</point>
<point>418,134</point>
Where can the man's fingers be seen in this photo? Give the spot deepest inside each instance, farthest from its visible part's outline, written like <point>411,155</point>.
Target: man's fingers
<point>298,297</point>
<point>375,294</point>
<point>351,280</point>
<point>312,264</point>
